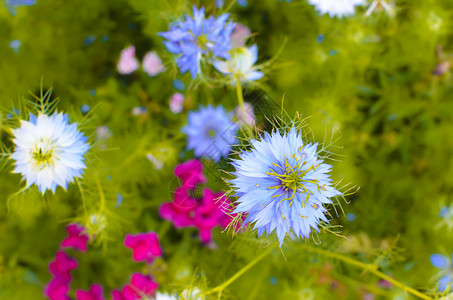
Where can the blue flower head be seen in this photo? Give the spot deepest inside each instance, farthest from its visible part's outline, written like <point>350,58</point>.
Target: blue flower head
<point>197,37</point>
<point>210,132</point>
<point>282,185</point>
<point>12,4</point>
<point>444,263</point>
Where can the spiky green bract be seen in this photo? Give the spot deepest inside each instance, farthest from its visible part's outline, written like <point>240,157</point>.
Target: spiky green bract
<point>282,185</point>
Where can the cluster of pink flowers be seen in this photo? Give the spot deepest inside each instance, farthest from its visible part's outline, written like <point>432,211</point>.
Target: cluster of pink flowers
<point>128,63</point>
<point>145,247</point>
<point>59,286</point>
<point>209,211</point>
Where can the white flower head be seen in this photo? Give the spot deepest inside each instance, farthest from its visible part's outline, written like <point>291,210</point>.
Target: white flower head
<point>162,296</point>
<point>193,294</point>
<point>378,5</point>
<point>241,64</point>
<point>336,8</point>
<point>49,151</point>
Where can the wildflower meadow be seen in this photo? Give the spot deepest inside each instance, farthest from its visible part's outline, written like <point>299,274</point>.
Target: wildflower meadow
<point>226,149</point>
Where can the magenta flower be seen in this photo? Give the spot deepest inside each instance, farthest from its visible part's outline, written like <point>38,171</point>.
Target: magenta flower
<point>152,64</point>
<point>76,239</point>
<point>191,173</point>
<point>208,214</point>
<point>140,287</point>
<point>176,103</point>
<point>128,63</point>
<point>145,246</point>
<point>57,289</point>
<point>180,211</point>
<point>96,292</point>
<point>62,266</point>
<point>118,295</point>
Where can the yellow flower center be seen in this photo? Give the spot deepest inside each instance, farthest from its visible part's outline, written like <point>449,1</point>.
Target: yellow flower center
<point>293,178</point>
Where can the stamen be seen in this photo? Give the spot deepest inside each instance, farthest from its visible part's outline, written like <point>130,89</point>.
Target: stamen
<point>293,178</point>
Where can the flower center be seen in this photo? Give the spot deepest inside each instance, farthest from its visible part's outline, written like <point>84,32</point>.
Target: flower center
<point>202,41</point>
<point>210,132</point>
<point>294,178</point>
<point>43,155</point>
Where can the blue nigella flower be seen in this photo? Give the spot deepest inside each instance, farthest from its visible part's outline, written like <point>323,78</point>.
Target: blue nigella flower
<point>444,263</point>
<point>210,132</point>
<point>48,151</point>
<point>198,37</point>
<point>282,185</point>
<point>12,4</point>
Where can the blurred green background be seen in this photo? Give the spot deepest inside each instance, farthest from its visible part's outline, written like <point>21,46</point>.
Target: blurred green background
<point>369,77</point>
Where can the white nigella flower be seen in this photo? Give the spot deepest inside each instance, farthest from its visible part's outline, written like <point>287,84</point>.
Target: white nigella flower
<point>376,5</point>
<point>49,151</point>
<point>241,64</point>
<point>336,8</point>
<point>161,296</point>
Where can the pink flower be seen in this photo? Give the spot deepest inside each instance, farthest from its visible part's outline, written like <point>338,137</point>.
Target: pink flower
<point>152,64</point>
<point>128,63</point>
<point>145,246</point>
<point>140,287</point>
<point>208,214</point>
<point>247,118</point>
<point>181,210</point>
<point>77,238</point>
<point>191,173</point>
<point>117,295</point>
<point>176,103</point>
<point>62,266</point>
<point>96,292</point>
<point>239,35</point>
<point>57,289</point>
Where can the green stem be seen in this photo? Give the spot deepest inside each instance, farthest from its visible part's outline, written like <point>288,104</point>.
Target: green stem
<point>240,96</point>
<point>368,267</point>
<point>241,104</point>
<point>222,286</point>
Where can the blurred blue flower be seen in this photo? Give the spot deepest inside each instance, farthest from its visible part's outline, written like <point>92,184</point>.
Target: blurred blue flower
<point>89,40</point>
<point>210,132</point>
<point>84,108</point>
<point>350,217</point>
<point>221,3</point>
<point>119,200</point>
<point>15,45</point>
<point>320,38</point>
<point>282,185</point>
<point>12,4</point>
<point>442,262</point>
<point>179,85</point>
<point>198,37</point>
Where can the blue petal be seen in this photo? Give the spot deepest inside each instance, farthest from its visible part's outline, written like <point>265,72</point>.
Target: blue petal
<point>439,261</point>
